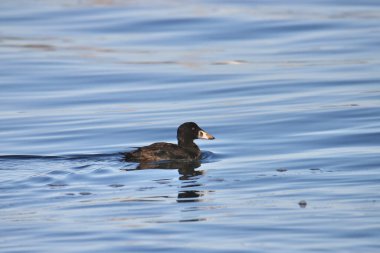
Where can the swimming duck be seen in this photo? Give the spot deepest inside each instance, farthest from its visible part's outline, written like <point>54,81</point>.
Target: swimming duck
<point>186,149</point>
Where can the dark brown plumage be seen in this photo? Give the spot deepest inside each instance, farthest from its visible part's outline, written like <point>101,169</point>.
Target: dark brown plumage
<point>185,150</point>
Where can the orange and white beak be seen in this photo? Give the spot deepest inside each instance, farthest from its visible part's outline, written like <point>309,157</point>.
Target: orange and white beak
<point>204,135</point>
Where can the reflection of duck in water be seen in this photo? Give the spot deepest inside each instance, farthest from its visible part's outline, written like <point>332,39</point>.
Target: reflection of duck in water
<point>161,151</point>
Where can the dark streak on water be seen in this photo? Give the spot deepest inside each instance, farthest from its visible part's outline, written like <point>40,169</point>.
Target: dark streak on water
<point>291,91</point>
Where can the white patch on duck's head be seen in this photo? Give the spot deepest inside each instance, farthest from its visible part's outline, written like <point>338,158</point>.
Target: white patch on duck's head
<point>204,135</point>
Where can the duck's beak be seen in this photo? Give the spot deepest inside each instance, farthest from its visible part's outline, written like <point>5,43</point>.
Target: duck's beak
<point>204,135</point>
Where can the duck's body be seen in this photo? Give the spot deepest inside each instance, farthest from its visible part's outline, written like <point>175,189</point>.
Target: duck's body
<point>185,150</point>
<point>163,151</point>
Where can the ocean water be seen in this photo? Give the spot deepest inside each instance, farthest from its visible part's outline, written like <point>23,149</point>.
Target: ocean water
<point>290,90</point>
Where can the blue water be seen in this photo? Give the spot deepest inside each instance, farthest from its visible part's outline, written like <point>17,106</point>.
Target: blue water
<point>291,91</point>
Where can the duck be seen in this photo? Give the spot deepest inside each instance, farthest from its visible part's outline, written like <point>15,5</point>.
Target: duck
<point>186,149</point>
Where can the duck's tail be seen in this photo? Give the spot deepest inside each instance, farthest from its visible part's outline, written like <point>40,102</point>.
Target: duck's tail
<point>131,156</point>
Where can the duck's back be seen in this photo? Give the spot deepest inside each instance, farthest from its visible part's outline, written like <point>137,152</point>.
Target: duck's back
<point>161,151</point>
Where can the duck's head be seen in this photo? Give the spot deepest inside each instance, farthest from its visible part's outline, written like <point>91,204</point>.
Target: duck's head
<point>189,131</point>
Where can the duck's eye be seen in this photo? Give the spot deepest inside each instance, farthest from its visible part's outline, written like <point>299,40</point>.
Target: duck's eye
<point>193,128</point>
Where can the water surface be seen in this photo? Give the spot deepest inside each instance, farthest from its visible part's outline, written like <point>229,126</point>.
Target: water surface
<point>290,91</point>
